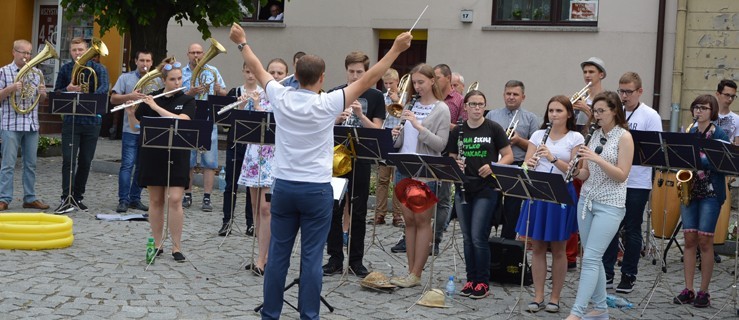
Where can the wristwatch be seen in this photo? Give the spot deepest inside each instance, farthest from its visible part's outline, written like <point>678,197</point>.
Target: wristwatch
<point>554,160</point>
<point>241,46</point>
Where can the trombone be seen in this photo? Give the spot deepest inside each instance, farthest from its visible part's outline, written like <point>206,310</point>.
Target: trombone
<point>396,109</point>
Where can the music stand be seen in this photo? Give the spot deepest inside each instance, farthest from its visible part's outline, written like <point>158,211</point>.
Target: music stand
<point>429,168</point>
<point>249,127</point>
<point>76,104</point>
<point>364,144</point>
<point>216,103</point>
<point>724,157</point>
<point>532,185</point>
<point>665,151</point>
<point>339,185</point>
<point>173,134</point>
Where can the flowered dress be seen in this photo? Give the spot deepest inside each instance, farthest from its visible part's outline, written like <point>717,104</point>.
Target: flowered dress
<point>256,171</point>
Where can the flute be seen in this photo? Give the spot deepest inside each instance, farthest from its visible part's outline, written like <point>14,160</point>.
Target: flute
<point>231,106</point>
<point>135,102</point>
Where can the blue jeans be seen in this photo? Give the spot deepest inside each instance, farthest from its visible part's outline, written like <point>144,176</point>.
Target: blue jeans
<point>443,208</point>
<point>28,142</point>
<point>234,159</point>
<point>128,186</point>
<point>701,216</point>
<point>474,220</point>
<point>297,205</point>
<point>84,141</point>
<point>636,200</point>
<point>596,232</point>
<point>208,159</point>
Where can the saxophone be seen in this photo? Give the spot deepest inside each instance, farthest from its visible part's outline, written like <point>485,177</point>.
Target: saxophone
<point>685,178</point>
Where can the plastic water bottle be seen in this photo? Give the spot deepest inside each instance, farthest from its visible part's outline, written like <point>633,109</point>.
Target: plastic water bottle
<point>450,288</point>
<point>222,180</point>
<point>150,250</point>
<point>615,301</point>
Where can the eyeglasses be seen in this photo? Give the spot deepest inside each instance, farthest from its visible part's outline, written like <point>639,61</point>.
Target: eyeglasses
<point>701,108</point>
<point>600,111</point>
<point>599,148</point>
<point>626,92</point>
<point>729,96</point>
<point>477,105</point>
<point>195,52</point>
<point>25,53</point>
<point>175,65</point>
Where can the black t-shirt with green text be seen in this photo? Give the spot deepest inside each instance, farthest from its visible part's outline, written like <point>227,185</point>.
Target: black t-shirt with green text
<point>480,147</point>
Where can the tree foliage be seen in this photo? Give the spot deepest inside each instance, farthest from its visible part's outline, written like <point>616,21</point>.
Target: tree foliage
<point>147,20</point>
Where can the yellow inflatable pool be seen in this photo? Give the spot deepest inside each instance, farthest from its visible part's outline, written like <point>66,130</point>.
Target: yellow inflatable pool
<point>35,231</point>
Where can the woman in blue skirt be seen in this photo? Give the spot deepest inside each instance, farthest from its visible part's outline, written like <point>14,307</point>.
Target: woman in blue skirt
<point>550,150</point>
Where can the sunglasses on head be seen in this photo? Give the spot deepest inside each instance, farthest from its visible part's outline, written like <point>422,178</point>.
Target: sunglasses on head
<point>170,66</point>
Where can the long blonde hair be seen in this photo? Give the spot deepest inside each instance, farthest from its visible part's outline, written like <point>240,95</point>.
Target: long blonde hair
<point>427,71</point>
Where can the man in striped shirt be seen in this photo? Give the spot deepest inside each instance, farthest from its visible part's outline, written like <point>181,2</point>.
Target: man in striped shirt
<point>19,130</point>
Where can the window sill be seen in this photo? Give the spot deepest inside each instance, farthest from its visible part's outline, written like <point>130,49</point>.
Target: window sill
<point>541,28</point>
<point>263,24</point>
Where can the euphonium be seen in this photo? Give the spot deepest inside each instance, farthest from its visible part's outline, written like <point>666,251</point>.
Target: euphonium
<point>25,76</point>
<point>473,86</point>
<point>198,78</point>
<point>148,82</point>
<point>79,78</point>
<point>685,179</point>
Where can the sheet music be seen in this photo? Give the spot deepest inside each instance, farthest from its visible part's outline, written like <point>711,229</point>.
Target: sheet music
<point>339,185</point>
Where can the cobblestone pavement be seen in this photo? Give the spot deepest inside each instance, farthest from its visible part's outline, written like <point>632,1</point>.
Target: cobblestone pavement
<point>102,275</point>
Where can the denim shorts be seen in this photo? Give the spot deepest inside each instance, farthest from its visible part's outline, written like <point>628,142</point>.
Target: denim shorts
<point>701,216</point>
<point>208,159</point>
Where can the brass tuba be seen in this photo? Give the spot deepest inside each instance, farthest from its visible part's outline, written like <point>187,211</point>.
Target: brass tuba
<point>78,78</point>
<point>198,78</point>
<point>25,77</point>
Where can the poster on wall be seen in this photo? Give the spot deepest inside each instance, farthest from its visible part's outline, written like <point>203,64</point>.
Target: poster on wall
<point>584,10</point>
<point>47,23</point>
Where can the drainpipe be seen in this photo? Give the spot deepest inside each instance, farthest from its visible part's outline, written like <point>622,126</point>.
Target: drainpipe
<point>677,68</point>
<point>658,56</point>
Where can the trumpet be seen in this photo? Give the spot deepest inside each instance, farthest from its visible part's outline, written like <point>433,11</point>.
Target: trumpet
<point>409,106</point>
<point>543,142</point>
<point>574,162</point>
<point>512,126</point>
<point>135,102</point>
<point>583,94</point>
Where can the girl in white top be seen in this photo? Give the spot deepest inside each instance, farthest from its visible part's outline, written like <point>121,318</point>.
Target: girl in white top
<point>606,162</point>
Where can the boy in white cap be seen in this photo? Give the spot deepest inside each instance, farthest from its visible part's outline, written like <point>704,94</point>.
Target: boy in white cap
<point>593,70</point>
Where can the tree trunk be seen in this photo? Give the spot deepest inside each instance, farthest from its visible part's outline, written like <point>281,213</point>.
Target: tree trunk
<point>151,37</point>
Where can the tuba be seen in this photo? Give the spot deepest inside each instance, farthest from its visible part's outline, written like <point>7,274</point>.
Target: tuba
<point>78,78</point>
<point>25,76</point>
<point>685,179</point>
<point>198,78</point>
<point>148,82</point>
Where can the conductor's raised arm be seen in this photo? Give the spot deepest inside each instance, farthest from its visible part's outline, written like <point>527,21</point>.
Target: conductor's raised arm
<point>238,36</point>
<point>370,78</point>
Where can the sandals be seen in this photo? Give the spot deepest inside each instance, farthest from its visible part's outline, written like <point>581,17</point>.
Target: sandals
<point>552,307</point>
<point>535,307</point>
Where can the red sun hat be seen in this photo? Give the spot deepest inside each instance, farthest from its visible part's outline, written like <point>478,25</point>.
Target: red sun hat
<point>415,195</point>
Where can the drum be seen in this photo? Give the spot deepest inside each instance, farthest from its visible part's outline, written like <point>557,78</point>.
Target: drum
<point>722,225</point>
<point>664,190</point>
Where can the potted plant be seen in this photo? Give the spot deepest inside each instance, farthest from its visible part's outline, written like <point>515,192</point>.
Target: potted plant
<point>516,14</point>
<point>538,14</point>
<point>49,146</point>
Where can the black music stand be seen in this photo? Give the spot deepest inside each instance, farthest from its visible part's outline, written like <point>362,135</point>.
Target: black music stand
<point>248,127</point>
<point>517,182</point>
<point>724,157</point>
<point>174,134</point>
<point>429,168</point>
<point>364,144</point>
<point>339,186</point>
<point>76,104</point>
<point>216,103</point>
<point>665,151</point>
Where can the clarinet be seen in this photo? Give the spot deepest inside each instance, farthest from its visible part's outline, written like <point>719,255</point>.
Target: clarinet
<point>543,142</point>
<point>460,156</point>
<point>409,106</point>
<point>573,163</point>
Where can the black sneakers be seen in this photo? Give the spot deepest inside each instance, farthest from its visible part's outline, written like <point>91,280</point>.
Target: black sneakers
<point>609,282</point>
<point>359,270</point>
<point>186,201</point>
<point>702,300</point>
<point>64,207</point>
<point>332,268</point>
<point>400,246</point>
<point>481,290</point>
<point>627,284</point>
<point>224,230</point>
<point>686,296</point>
<point>467,289</point>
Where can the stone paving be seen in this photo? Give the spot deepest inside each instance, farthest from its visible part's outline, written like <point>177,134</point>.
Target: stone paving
<point>103,274</point>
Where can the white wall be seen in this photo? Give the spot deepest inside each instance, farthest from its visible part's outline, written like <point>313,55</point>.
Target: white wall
<point>546,61</point>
